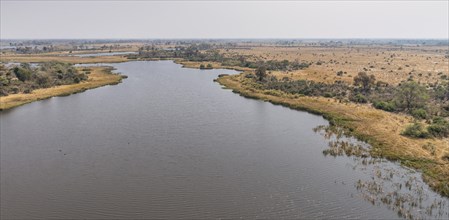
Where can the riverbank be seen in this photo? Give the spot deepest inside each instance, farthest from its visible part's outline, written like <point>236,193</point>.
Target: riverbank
<point>99,76</point>
<point>382,130</point>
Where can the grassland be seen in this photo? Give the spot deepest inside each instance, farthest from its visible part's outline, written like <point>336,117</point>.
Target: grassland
<point>99,76</point>
<point>215,65</point>
<point>37,58</point>
<point>391,64</point>
<point>379,128</point>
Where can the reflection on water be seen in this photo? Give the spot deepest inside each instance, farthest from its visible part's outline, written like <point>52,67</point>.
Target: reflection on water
<point>168,142</point>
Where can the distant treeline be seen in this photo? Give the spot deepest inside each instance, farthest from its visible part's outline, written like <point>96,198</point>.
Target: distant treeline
<point>24,78</point>
<point>206,53</point>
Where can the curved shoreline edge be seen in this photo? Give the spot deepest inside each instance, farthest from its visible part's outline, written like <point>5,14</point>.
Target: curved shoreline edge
<point>386,143</point>
<point>100,76</point>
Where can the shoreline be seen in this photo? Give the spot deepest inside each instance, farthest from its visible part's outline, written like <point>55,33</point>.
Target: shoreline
<point>378,128</point>
<point>100,76</point>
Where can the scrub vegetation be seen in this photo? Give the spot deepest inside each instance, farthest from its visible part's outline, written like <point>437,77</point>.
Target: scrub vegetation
<point>96,77</point>
<point>24,78</point>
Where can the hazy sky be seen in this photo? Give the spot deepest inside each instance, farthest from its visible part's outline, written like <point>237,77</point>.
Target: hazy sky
<point>224,19</point>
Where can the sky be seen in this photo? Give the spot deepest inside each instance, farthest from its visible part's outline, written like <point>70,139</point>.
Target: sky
<point>223,19</point>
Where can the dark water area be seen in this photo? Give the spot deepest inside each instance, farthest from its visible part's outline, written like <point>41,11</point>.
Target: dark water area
<point>168,142</point>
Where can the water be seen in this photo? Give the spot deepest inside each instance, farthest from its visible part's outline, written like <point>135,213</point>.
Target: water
<point>170,143</point>
<point>103,54</point>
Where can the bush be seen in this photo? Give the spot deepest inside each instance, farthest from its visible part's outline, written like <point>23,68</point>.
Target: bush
<point>439,128</point>
<point>415,130</point>
<point>250,76</point>
<point>386,106</point>
<point>359,98</point>
<point>15,90</point>
<point>419,113</point>
<point>3,81</point>
<point>22,74</point>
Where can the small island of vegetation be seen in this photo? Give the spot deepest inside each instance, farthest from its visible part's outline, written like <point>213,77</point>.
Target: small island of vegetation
<point>23,83</point>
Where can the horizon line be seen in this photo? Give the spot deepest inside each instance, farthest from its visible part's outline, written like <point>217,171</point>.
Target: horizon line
<point>243,38</point>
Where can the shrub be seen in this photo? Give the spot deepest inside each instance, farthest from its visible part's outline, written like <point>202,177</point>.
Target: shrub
<point>22,74</point>
<point>359,98</point>
<point>419,113</point>
<point>202,66</point>
<point>386,106</point>
<point>250,76</point>
<point>439,128</point>
<point>364,81</point>
<point>415,130</point>
<point>3,81</point>
<point>411,95</point>
<point>261,73</point>
<point>15,90</point>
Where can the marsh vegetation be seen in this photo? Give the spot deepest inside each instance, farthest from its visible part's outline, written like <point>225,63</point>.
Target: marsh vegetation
<point>401,190</point>
<point>24,78</point>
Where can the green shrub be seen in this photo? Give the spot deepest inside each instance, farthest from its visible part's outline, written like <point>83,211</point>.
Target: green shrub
<point>3,81</point>
<point>419,113</point>
<point>22,74</point>
<point>439,128</point>
<point>328,95</point>
<point>359,98</point>
<point>386,106</point>
<point>415,130</point>
<point>15,90</point>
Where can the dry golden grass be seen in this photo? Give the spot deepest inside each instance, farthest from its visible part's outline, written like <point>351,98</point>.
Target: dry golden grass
<point>100,76</point>
<point>215,65</point>
<point>379,128</point>
<point>388,63</point>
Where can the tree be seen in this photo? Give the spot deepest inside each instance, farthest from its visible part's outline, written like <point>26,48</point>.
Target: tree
<point>442,91</point>
<point>364,81</point>
<point>261,72</point>
<point>411,95</point>
<point>22,74</point>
